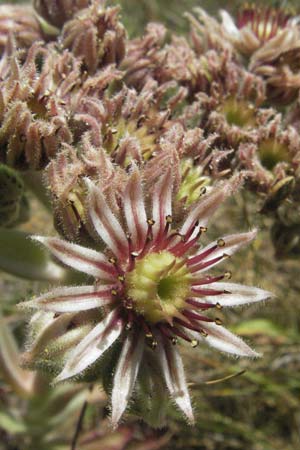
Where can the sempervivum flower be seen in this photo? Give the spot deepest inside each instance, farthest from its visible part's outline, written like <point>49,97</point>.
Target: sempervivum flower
<point>231,105</point>
<point>33,123</point>
<point>271,38</point>
<point>272,161</point>
<point>150,291</point>
<point>57,12</point>
<point>20,21</point>
<point>95,35</point>
<point>255,26</point>
<point>140,61</point>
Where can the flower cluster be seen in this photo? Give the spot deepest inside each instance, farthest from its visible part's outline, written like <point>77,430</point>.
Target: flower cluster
<point>138,142</point>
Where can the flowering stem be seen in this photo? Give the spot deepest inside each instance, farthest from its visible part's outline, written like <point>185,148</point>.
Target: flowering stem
<point>80,422</point>
<point>34,181</point>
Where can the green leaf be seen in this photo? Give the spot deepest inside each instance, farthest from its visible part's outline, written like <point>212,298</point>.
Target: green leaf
<point>24,258</point>
<point>19,379</point>
<point>11,424</point>
<point>258,326</point>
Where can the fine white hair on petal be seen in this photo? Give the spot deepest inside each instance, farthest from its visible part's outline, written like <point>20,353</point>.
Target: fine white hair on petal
<point>223,340</point>
<point>79,258</point>
<point>173,371</point>
<point>104,221</point>
<point>228,24</point>
<point>92,346</point>
<point>236,294</point>
<point>204,209</point>
<point>225,245</point>
<point>125,375</point>
<point>162,202</point>
<point>73,298</point>
<point>135,212</point>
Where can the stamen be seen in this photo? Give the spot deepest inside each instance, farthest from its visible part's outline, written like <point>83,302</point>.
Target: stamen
<point>205,292</point>
<point>206,264</point>
<point>218,321</point>
<point>200,305</point>
<point>201,256</point>
<point>189,325</point>
<point>195,316</point>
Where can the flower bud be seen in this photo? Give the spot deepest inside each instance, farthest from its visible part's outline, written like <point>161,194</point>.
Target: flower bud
<point>96,36</point>
<point>57,12</point>
<point>22,23</point>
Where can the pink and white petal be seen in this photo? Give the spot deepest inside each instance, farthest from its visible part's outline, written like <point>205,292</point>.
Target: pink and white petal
<point>229,25</point>
<point>236,294</point>
<point>204,209</point>
<point>79,258</point>
<point>229,245</point>
<point>162,202</point>
<point>73,298</point>
<point>223,340</point>
<point>173,371</point>
<point>92,346</point>
<point>125,375</point>
<point>135,212</point>
<point>105,223</point>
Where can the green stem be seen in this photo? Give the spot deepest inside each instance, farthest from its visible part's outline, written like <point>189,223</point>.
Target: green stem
<point>34,181</point>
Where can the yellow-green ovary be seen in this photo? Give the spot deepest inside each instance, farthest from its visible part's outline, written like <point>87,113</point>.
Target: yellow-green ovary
<point>159,285</point>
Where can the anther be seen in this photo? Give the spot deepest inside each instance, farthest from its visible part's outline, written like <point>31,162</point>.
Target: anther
<point>169,219</point>
<point>149,335</point>
<point>153,344</point>
<point>150,222</point>
<point>112,260</point>
<point>114,292</point>
<point>218,321</point>
<point>227,275</point>
<point>194,343</point>
<point>203,229</point>
<point>134,254</point>
<point>218,306</point>
<point>203,190</point>
<point>174,340</point>
<point>128,326</point>
<point>121,278</point>
<point>203,333</point>
<point>221,243</point>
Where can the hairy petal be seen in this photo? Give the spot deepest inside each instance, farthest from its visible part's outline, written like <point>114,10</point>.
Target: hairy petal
<point>135,212</point>
<point>173,371</point>
<point>105,223</point>
<point>72,299</point>
<point>203,210</point>
<point>236,294</point>
<point>228,24</point>
<point>162,202</point>
<point>125,376</point>
<point>225,341</point>
<point>79,258</point>
<point>227,245</point>
<point>92,346</point>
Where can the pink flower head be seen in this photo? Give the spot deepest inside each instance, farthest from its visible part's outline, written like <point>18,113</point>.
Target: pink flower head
<point>151,287</point>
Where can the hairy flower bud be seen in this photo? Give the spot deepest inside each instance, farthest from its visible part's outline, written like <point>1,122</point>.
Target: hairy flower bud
<point>95,35</point>
<point>57,12</point>
<point>21,23</point>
